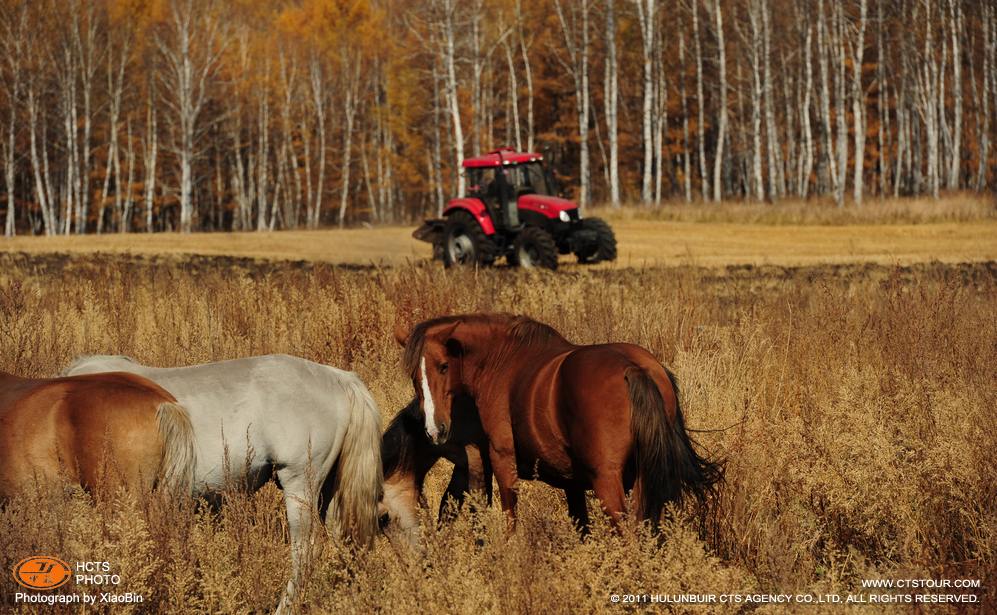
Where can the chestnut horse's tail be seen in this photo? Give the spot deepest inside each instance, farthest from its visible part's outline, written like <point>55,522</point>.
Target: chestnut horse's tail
<point>176,468</point>
<point>668,466</point>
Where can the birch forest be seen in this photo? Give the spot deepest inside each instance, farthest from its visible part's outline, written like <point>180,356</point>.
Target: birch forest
<point>198,115</point>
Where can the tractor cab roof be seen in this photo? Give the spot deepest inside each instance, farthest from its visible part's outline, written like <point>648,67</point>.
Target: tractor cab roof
<point>499,157</point>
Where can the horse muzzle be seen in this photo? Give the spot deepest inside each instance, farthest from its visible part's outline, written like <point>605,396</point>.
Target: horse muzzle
<point>443,432</point>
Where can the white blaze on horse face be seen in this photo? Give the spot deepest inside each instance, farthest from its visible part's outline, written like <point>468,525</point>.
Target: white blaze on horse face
<point>428,407</point>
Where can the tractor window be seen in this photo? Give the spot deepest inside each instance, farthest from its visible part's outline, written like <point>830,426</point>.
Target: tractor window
<point>529,178</point>
<point>480,181</point>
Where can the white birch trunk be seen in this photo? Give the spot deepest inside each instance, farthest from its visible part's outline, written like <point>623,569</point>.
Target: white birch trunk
<point>807,165</point>
<point>955,159</point>
<point>191,54</point>
<point>883,99</point>
<point>528,74</point>
<point>478,110</point>
<point>39,164</point>
<point>704,180</point>
<point>611,95</point>
<point>262,155</point>
<point>450,73</point>
<point>350,111</point>
<point>514,125</point>
<point>840,44</point>
<point>576,42</point>
<point>14,31</point>
<point>84,41</point>
<point>823,52</point>
<point>686,145</point>
<point>981,169</point>
<point>646,17</point>
<point>151,151</point>
<point>755,45</point>
<point>660,115</point>
<point>858,104</point>
<point>777,180</point>
<point>437,148</point>
<point>126,216</point>
<point>929,76</point>
<point>318,100</point>
<point>722,129</point>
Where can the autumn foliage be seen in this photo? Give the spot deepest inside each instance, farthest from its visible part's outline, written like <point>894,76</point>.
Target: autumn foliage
<point>142,115</point>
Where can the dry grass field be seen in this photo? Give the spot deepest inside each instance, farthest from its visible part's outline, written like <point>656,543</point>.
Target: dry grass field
<point>959,229</point>
<point>853,401</point>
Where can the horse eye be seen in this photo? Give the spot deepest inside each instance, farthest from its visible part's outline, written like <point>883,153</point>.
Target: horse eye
<point>443,368</point>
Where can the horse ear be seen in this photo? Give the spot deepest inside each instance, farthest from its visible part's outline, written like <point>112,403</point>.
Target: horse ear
<point>455,348</point>
<point>401,334</point>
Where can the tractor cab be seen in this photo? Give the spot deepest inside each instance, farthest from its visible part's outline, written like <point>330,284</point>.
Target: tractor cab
<point>510,210</point>
<point>491,186</point>
<point>500,177</point>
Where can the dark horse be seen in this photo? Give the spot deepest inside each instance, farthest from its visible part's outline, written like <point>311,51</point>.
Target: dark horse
<point>408,454</point>
<point>604,417</point>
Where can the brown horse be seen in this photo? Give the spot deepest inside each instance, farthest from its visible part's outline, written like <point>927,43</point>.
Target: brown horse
<point>98,431</point>
<point>603,417</point>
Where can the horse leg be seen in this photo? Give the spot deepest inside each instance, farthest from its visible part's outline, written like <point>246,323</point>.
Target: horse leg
<point>502,455</point>
<point>299,504</point>
<point>504,463</point>
<point>479,470</point>
<point>453,497</point>
<point>577,508</point>
<point>488,474</point>
<point>608,487</point>
<point>472,472</point>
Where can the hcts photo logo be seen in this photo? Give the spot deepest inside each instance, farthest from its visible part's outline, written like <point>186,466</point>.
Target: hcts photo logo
<point>42,572</point>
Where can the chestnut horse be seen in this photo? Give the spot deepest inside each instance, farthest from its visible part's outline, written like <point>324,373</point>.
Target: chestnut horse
<point>604,417</point>
<point>97,431</point>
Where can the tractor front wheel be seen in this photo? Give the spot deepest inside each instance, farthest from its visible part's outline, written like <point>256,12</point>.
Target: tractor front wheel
<point>605,242</point>
<point>534,247</point>
<point>464,243</point>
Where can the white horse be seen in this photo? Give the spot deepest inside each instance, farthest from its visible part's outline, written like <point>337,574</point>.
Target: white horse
<point>315,426</point>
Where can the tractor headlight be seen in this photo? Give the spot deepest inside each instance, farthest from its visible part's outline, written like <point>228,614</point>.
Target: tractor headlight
<point>563,216</point>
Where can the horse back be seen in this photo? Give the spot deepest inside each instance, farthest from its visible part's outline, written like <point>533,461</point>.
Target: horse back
<point>79,428</point>
<point>602,370</point>
<point>119,382</point>
<point>577,410</point>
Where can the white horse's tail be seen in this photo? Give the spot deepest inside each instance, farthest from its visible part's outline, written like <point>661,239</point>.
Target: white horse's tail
<point>176,468</point>
<point>359,479</point>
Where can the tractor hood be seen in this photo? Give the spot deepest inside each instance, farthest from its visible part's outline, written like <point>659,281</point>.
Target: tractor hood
<point>550,206</point>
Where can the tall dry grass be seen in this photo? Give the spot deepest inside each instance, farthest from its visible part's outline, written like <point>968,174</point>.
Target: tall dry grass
<point>954,207</point>
<point>854,404</point>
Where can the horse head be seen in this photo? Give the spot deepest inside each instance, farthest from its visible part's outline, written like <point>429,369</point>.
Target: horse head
<point>434,353</point>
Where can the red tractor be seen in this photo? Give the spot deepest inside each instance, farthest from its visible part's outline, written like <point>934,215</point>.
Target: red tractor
<point>510,210</point>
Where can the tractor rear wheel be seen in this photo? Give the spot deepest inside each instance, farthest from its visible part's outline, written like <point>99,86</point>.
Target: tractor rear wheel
<point>465,243</point>
<point>534,247</point>
<point>605,242</point>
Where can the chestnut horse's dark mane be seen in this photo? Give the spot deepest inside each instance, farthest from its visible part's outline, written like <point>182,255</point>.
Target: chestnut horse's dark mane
<point>523,330</point>
<point>529,332</point>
